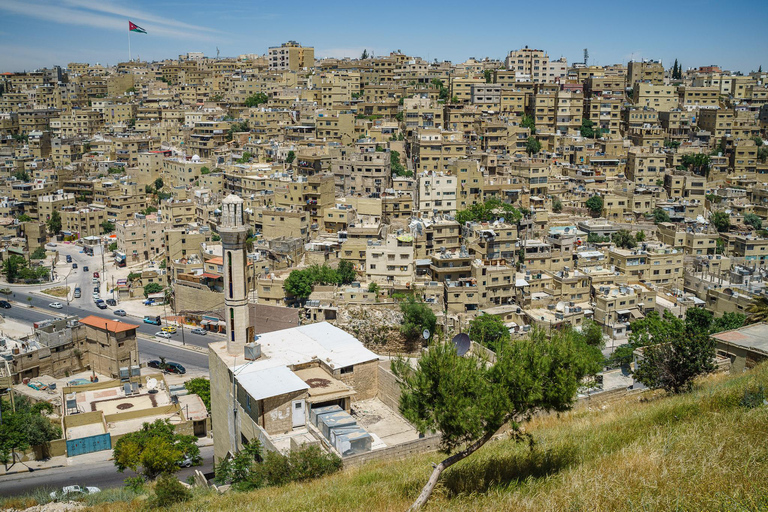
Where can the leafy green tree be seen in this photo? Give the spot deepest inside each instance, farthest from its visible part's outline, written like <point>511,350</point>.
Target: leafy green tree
<point>750,219</point>
<point>12,267</point>
<point>557,205</point>
<point>698,163</point>
<point>112,246</point>
<point>416,317</point>
<point>346,271</point>
<point>469,401</point>
<point>299,284</point>
<point>595,204</point>
<point>640,236</point>
<point>674,351</point>
<point>256,100</point>
<point>374,288</point>
<point>587,128</point>
<point>594,238</point>
<point>532,146</point>
<point>290,157</point>
<point>721,221</point>
<point>727,322</point>
<point>159,184</point>
<point>396,166</point>
<point>107,227</point>
<point>201,387</point>
<point>37,254</point>
<point>22,175</point>
<point>364,55</point>
<point>624,239</point>
<point>154,450</point>
<point>204,170</point>
<point>54,222</point>
<point>528,122</point>
<point>489,331</point>
<point>25,428</point>
<point>592,334</point>
<point>25,218</point>
<point>489,211</point>
<point>151,288</point>
<point>488,75</point>
<point>660,215</point>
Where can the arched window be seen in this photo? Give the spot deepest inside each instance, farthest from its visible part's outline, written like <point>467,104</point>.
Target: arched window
<point>229,273</point>
<point>232,323</point>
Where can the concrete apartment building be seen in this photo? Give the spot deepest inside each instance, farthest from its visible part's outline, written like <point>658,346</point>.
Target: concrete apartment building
<point>661,98</point>
<point>651,71</point>
<point>291,56</point>
<point>141,238</point>
<point>529,62</point>
<point>390,261</point>
<point>437,194</point>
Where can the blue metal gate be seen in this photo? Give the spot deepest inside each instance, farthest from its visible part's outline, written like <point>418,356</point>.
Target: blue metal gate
<point>88,444</point>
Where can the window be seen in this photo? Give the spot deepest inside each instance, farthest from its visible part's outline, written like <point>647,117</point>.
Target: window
<point>347,369</point>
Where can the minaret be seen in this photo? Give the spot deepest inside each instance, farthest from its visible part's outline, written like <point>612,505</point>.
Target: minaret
<point>233,232</point>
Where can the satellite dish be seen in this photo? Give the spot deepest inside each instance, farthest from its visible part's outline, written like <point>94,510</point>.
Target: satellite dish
<point>151,384</point>
<point>462,343</point>
<point>425,334</point>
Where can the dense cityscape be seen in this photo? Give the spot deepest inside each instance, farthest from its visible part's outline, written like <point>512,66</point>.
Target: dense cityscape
<point>225,274</point>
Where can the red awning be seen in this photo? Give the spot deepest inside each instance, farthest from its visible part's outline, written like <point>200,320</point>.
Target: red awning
<point>212,276</point>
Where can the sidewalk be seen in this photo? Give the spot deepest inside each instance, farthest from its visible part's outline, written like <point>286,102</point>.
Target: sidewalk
<point>62,461</point>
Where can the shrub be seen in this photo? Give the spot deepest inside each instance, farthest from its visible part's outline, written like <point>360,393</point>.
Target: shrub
<point>753,397</point>
<point>169,490</point>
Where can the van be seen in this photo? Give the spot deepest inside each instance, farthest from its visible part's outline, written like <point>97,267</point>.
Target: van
<point>155,320</point>
<point>78,293</point>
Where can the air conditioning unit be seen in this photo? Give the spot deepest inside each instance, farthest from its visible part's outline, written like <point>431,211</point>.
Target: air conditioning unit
<point>252,351</point>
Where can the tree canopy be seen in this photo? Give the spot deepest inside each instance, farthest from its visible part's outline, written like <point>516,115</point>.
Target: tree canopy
<point>54,222</point>
<point>416,317</point>
<point>489,211</point>
<point>750,219</point>
<point>151,288</point>
<point>489,331</point>
<point>25,428</point>
<point>201,387</point>
<point>624,239</point>
<point>587,128</point>
<point>300,282</point>
<point>256,99</point>
<point>698,163</point>
<point>721,221</point>
<point>154,450</point>
<point>595,204</point>
<point>532,146</point>
<point>468,400</point>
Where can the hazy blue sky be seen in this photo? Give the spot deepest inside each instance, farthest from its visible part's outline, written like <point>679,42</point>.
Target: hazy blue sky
<point>37,33</point>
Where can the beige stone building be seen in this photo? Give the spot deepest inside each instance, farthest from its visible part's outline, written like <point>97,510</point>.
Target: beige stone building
<point>291,56</point>
<point>390,261</point>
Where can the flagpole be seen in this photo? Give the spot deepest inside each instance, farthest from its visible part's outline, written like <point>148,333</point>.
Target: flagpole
<point>129,46</point>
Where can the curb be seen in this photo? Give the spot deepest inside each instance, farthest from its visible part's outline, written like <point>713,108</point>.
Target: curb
<point>196,350</point>
<point>32,470</point>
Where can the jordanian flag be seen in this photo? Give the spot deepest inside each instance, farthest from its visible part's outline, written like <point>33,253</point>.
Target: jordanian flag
<point>132,27</point>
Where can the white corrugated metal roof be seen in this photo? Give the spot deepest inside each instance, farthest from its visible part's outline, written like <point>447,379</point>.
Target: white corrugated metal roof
<point>270,382</point>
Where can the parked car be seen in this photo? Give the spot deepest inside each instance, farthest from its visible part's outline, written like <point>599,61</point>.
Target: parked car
<point>96,289</point>
<point>198,330</point>
<point>85,268</point>
<point>96,296</point>
<point>149,302</point>
<point>120,312</point>
<point>187,462</point>
<point>55,305</point>
<point>163,334</point>
<point>5,304</point>
<point>170,329</point>
<point>74,266</point>
<point>155,320</point>
<point>78,292</point>
<point>111,302</point>
<point>74,491</point>
<point>154,364</point>
<point>95,280</point>
<point>96,275</point>
<point>101,304</point>
<point>69,258</point>
<point>51,244</point>
<point>175,368</point>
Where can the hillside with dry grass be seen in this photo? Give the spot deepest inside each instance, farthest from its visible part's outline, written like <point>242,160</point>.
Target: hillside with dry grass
<point>706,450</point>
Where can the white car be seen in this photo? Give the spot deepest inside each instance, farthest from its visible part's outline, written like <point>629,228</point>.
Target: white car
<point>162,334</point>
<point>74,490</point>
<point>55,305</point>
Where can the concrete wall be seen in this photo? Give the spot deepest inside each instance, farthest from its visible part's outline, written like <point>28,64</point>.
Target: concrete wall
<point>398,452</point>
<point>363,379</point>
<point>191,298</point>
<point>83,418</point>
<point>389,389</point>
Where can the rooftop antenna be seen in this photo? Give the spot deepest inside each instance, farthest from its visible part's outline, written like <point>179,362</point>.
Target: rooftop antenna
<point>217,53</point>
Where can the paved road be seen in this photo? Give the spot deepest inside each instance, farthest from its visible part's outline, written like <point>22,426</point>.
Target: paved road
<point>84,306</point>
<point>102,474</point>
